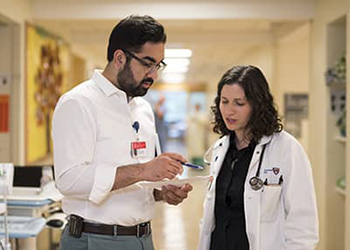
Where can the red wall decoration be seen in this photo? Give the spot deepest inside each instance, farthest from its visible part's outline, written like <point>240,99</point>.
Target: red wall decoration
<point>4,113</point>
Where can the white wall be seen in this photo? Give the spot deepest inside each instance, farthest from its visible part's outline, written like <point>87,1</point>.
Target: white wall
<point>292,64</point>
<point>5,71</point>
<point>14,13</point>
<point>292,70</point>
<point>261,57</point>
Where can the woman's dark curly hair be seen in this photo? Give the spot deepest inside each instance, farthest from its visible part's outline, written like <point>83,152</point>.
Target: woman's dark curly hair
<point>264,118</point>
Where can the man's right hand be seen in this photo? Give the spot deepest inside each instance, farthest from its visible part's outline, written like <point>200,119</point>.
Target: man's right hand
<point>166,165</point>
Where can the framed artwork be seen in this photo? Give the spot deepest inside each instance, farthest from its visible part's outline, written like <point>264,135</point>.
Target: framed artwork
<point>295,110</point>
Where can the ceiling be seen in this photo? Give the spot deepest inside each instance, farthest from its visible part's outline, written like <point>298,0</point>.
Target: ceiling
<point>219,33</point>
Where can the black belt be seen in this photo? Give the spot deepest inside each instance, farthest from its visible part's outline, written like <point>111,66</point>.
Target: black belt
<point>98,228</point>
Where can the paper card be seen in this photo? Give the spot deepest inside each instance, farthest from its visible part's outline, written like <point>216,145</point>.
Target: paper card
<point>6,178</point>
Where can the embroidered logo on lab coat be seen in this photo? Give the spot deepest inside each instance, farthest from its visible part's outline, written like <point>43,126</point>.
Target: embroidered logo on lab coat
<point>275,170</point>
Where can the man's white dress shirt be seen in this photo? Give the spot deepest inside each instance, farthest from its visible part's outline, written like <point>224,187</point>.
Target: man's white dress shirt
<point>92,135</point>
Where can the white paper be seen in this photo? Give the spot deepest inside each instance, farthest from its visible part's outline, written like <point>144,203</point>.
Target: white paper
<point>177,181</point>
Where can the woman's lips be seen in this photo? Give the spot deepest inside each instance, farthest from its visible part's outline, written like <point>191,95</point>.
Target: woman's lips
<point>231,121</point>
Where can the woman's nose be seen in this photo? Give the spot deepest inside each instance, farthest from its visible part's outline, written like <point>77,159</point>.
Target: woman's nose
<point>232,108</point>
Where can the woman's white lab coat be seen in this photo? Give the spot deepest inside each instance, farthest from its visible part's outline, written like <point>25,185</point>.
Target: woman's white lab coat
<point>278,217</point>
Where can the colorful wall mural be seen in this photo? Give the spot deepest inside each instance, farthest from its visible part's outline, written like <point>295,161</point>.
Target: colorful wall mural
<point>47,67</point>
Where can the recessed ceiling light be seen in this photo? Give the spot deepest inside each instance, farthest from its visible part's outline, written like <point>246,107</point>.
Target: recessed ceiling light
<point>178,53</point>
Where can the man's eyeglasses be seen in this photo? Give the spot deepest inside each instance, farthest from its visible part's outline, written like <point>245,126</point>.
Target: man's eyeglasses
<point>150,66</point>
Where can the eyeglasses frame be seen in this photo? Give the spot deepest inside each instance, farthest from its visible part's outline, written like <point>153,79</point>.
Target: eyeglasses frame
<point>151,66</point>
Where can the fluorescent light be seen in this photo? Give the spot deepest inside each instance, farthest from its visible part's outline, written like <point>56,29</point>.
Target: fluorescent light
<point>176,65</point>
<point>174,62</point>
<point>175,69</point>
<point>173,78</point>
<point>178,69</point>
<point>178,53</point>
<point>178,61</point>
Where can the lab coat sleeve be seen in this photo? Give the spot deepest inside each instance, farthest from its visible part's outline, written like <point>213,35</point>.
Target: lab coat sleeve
<point>74,132</point>
<point>301,219</point>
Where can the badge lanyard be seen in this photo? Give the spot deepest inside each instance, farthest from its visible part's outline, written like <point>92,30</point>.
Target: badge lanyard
<point>255,182</point>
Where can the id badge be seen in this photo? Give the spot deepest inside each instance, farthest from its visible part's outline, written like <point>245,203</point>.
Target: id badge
<point>138,149</point>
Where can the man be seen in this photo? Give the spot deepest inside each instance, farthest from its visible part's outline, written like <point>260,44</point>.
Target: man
<point>104,146</point>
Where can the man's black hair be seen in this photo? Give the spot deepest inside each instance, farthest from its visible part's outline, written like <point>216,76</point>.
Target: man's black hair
<point>133,32</point>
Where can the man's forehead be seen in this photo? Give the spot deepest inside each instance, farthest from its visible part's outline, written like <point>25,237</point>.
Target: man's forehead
<point>152,48</point>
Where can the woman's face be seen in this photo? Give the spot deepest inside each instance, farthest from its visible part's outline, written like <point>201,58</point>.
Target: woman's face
<point>234,108</point>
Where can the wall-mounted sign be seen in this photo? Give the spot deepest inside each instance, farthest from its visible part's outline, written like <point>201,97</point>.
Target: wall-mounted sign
<point>4,113</point>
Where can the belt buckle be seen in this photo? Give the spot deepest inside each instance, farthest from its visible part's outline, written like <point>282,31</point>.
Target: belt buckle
<point>145,226</point>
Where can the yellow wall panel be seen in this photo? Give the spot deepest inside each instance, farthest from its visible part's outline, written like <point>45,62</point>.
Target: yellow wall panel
<point>47,68</point>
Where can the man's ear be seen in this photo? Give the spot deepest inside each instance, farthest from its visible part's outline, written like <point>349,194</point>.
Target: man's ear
<point>119,58</point>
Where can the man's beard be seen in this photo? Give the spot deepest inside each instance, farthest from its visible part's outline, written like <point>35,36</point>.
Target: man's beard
<point>128,84</point>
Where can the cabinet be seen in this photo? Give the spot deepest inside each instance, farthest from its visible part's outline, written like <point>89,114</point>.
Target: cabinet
<point>337,139</point>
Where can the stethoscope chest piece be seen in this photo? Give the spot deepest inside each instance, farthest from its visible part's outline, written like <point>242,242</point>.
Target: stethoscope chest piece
<point>256,183</point>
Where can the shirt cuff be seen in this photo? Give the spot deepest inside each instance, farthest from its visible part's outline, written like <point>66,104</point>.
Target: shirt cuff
<point>103,183</point>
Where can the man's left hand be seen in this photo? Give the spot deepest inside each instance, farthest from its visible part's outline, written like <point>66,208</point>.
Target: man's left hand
<point>174,195</point>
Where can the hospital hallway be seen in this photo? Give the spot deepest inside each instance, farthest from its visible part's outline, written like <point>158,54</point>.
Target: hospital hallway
<point>49,47</point>
<point>177,227</point>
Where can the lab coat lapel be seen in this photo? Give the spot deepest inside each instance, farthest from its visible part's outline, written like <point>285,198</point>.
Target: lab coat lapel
<point>219,152</point>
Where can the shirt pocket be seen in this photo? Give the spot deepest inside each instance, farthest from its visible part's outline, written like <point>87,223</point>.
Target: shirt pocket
<point>150,150</point>
<point>270,202</point>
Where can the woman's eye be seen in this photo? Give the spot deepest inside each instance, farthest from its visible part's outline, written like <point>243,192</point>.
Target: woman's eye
<point>238,103</point>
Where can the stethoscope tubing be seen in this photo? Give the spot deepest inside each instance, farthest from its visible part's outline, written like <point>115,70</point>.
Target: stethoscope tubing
<point>255,182</point>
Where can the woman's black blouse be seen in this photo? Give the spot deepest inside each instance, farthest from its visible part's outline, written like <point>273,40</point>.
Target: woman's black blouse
<point>230,229</point>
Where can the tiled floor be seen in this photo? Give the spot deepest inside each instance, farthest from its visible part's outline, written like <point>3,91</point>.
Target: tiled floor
<point>177,227</point>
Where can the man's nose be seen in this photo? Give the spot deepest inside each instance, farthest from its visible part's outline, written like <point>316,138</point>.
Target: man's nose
<point>153,74</point>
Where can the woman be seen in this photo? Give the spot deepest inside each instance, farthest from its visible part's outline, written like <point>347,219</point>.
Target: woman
<point>262,195</point>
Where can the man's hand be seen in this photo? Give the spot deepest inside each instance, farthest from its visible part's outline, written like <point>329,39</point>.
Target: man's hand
<point>166,165</point>
<point>174,195</point>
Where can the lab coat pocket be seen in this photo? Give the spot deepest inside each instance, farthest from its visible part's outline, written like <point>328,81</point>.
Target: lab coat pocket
<point>270,202</point>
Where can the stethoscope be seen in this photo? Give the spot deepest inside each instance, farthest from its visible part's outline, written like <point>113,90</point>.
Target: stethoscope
<point>255,182</point>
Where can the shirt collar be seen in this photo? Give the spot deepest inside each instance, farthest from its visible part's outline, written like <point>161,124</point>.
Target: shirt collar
<point>107,87</point>
<point>251,144</point>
